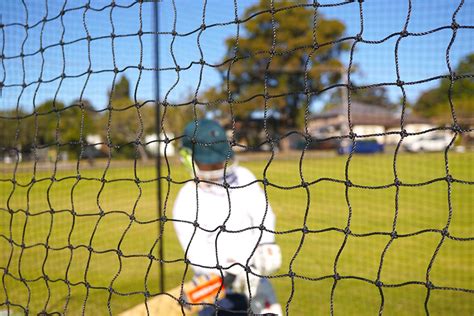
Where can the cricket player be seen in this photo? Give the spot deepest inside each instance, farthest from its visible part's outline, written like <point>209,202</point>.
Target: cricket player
<point>219,227</point>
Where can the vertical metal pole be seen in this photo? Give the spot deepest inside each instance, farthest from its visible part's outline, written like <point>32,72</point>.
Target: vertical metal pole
<point>158,133</point>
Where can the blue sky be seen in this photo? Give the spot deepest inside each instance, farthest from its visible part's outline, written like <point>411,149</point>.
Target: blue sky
<point>419,57</point>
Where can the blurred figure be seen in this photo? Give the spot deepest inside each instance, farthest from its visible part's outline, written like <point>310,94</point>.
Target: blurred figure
<point>226,230</point>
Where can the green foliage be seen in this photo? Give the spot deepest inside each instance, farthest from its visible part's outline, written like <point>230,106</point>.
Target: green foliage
<point>294,59</point>
<point>51,123</point>
<point>435,102</point>
<point>121,89</point>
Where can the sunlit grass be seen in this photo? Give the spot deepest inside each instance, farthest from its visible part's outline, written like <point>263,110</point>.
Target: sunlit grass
<point>372,210</point>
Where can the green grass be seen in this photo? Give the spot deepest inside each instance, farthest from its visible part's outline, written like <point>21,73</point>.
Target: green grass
<point>407,259</point>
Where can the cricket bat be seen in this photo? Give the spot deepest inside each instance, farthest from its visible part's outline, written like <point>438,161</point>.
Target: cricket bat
<point>202,289</point>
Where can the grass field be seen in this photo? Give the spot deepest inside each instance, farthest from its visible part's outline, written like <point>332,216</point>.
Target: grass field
<point>407,259</point>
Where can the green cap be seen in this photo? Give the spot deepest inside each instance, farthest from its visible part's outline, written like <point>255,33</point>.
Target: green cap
<point>211,144</point>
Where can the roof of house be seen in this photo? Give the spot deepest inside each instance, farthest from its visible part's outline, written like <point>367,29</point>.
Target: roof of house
<point>368,114</point>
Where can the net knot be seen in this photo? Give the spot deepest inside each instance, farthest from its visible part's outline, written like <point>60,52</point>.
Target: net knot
<point>457,129</point>
<point>87,285</point>
<point>119,252</point>
<point>168,178</point>
<point>225,185</point>
<point>101,213</point>
<point>140,33</point>
<point>403,133</point>
<point>222,228</point>
<point>163,219</point>
<point>26,26</point>
<point>137,180</point>
<point>454,25</point>
<point>348,183</point>
<point>140,67</point>
<point>218,267</point>
<point>304,184</point>
<point>352,135</point>
<point>449,178</point>
<point>181,301</point>
<point>358,37</point>
<point>151,257</point>
<point>132,217</point>
<point>88,38</point>
<point>400,83</point>
<point>202,61</point>
<point>112,35</point>
<point>404,33</point>
<point>203,26</point>
<point>305,229</point>
<point>70,247</point>
<point>397,182</point>
<point>196,180</point>
<point>378,283</point>
<point>196,224</point>
<point>147,294</point>
<point>337,277</point>
<point>265,181</point>
<point>445,232</point>
<point>116,70</point>
<point>24,85</point>
<point>347,231</point>
<point>429,285</point>
<point>291,273</point>
<point>90,249</point>
<point>174,33</point>
<point>316,4</point>
<point>261,227</point>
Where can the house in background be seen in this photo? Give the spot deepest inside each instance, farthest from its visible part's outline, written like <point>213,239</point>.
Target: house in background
<point>366,119</point>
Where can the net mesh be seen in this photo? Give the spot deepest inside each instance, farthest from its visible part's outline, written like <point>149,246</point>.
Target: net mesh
<point>80,231</point>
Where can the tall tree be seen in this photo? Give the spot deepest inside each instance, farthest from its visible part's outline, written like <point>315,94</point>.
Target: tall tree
<point>375,96</point>
<point>435,102</point>
<point>283,70</point>
<point>127,123</point>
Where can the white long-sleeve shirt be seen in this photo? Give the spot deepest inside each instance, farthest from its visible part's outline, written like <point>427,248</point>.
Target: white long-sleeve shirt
<point>212,206</point>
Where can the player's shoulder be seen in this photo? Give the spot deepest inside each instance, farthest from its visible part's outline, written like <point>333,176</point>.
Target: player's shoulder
<point>187,191</point>
<point>244,175</point>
